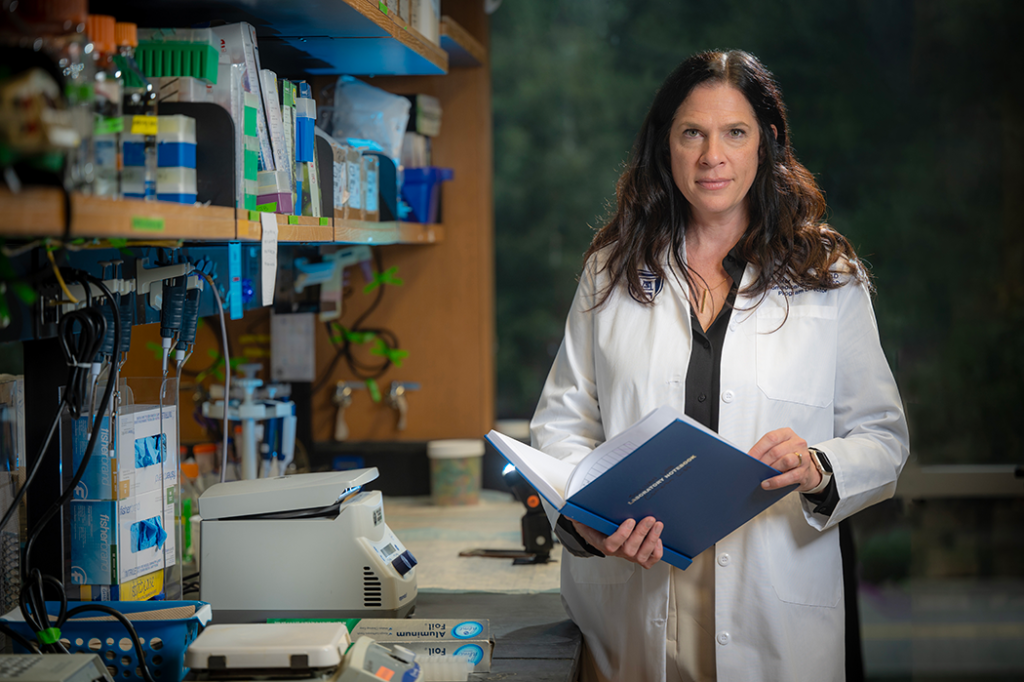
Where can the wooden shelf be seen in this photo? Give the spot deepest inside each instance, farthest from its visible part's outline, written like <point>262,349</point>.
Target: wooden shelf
<point>33,212</point>
<point>39,212</point>
<point>463,49</point>
<point>364,232</point>
<point>314,37</point>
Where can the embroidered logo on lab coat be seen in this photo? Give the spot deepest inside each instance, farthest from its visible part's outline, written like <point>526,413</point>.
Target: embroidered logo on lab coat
<point>650,283</point>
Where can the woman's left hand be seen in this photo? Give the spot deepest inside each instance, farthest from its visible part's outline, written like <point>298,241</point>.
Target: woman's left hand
<point>787,452</point>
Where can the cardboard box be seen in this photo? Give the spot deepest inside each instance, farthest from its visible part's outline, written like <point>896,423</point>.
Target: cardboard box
<point>146,463</point>
<point>470,638</point>
<point>114,542</point>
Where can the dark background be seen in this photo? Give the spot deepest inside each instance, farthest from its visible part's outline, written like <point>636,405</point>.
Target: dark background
<point>910,115</point>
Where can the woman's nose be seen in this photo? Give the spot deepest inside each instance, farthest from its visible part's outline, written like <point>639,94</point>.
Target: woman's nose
<point>712,155</point>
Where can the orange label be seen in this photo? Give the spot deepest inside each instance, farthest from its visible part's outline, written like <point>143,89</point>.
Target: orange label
<point>385,673</point>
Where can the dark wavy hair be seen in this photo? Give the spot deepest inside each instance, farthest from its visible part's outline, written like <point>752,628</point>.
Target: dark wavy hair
<point>787,238</point>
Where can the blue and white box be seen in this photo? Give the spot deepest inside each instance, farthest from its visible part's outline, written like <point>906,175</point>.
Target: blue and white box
<point>176,161</point>
<point>470,639</point>
<point>147,459</point>
<point>113,542</point>
<point>99,481</point>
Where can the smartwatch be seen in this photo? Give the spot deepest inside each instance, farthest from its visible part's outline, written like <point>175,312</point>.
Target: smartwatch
<point>824,468</point>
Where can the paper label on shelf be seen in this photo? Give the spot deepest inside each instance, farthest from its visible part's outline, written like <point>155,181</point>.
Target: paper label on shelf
<point>268,265</point>
<point>108,125</point>
<point>371,190</point>
<point>292,345</point>
<point>147,224</point>
<point>145,125</point>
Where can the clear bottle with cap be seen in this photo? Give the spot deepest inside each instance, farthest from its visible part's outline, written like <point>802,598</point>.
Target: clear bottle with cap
<point>58,29</point>
<point>139,107</point>
<point>107,122</point>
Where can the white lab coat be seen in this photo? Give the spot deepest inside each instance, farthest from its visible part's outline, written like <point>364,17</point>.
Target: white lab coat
<point>778,581</point>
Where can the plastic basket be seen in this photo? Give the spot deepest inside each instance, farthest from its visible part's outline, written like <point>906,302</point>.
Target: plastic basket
<point>163,641</point>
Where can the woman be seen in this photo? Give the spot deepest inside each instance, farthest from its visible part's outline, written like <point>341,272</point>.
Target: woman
<point>718,289</point>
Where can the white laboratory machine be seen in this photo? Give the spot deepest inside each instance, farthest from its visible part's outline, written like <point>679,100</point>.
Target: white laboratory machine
<point>303,546</point>
<point>295,652</point>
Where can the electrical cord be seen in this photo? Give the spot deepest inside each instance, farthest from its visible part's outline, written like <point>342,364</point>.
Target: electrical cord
<point>227,376</point>
<point>77,386</point>
<point>360,369</point>
<point>96,427</point>
<point>35,467</point>
<point>33,610</point>
<point>13,634</point>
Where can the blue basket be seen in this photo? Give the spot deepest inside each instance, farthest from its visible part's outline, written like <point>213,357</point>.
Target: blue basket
<point>163,641</point>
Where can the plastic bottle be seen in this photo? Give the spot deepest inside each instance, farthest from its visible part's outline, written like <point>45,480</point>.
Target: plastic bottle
<point>139,106</point>
<point>190,493</point>
<point>106,105</point>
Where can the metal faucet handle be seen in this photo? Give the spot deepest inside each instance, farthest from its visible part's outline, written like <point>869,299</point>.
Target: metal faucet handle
<point>343,392</point>
<point>399,388</point>
<point>397,400</point>
<point>343,398</point>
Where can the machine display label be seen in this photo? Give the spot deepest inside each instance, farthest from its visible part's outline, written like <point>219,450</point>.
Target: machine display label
<point>389,547</point>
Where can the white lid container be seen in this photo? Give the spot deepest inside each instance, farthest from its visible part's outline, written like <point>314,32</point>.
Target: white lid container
<point>455,448</point>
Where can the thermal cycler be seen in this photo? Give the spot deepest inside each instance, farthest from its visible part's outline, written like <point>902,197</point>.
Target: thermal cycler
<point>302,546</point>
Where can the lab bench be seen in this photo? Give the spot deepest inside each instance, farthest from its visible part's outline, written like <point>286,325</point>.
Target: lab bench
<point>533,638</point>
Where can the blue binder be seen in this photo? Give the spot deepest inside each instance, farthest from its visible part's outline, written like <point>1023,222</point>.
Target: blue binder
<point>700,486</point>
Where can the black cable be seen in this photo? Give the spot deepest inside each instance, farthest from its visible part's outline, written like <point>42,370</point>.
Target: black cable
<point>35,467</point>
<point>32,602</point>
<point>132,634</point>
<point>13,634</point>
<point>360,369</point>
<point>191,576</point>
<point>97,425</point>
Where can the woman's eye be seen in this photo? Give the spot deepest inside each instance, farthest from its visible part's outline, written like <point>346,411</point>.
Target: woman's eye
<point>737,133</point>
<point>691,133</point>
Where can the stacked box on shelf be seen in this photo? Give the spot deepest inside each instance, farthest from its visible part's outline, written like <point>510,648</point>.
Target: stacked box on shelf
<point>251,154</point>
<point>123,511</point>
<point>176,161</point>
<point>274,192</point>
<point>289,93</point>
<point>238,46</point>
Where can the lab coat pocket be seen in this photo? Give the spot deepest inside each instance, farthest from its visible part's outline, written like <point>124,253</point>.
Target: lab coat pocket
<point>806,565</point>
<point>796,354</point>
<point>599,570</point>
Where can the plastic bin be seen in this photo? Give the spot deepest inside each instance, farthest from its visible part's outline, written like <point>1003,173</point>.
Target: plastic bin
<point>163,641</point>
<point>421,189</point>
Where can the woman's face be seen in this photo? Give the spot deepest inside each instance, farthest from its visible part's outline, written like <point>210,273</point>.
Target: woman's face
<point>714,146</point>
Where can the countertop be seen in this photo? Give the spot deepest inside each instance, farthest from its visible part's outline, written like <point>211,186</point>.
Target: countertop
<point>534,639</point>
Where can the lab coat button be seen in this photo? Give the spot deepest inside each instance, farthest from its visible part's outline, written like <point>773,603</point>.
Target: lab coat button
<point>727,396</point>
<point>723,559</point>
<point>723,638</point>
<point>732,327</point>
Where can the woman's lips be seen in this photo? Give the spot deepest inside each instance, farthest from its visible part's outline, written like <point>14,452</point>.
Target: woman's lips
<point>713,183</point>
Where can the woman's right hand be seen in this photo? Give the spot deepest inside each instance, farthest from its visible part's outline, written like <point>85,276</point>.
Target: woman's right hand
<point>636,542</point>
